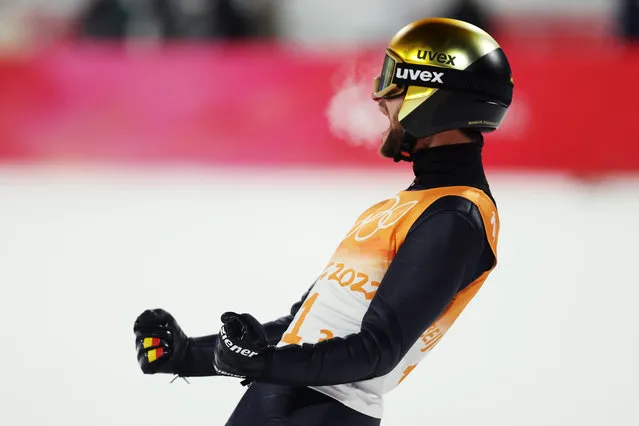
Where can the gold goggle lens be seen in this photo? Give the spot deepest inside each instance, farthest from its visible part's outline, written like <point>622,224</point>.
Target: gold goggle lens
<point>383,86</point>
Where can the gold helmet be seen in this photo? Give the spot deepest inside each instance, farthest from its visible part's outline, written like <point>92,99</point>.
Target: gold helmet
<point>453,74</point>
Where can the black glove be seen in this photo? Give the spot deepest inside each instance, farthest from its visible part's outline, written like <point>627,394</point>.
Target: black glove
<point>242,348</point>
<point>160,342</point>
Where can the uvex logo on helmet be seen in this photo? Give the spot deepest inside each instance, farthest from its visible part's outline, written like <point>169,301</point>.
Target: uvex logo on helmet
<point>411,74</point>
<point>442,58</point>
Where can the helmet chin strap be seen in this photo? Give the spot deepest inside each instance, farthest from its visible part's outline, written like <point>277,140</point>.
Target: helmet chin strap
<point>405,149</point>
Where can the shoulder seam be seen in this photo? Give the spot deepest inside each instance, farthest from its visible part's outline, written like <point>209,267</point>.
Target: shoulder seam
<point>426,214</point>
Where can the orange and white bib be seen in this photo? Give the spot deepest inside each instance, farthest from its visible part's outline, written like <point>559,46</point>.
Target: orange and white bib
<point>339,299</point>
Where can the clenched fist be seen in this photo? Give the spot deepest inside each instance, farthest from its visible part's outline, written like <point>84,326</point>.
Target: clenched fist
<point>242,347</point>
<point>160,342</point>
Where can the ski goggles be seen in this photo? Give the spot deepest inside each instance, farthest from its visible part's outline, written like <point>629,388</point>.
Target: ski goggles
<point>397,75</point>
<point>383,86</point>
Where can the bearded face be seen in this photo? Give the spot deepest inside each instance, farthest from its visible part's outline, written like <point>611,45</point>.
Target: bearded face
<point>393,136</point>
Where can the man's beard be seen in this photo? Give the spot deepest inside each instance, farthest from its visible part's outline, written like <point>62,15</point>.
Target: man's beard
<point>392,142</point>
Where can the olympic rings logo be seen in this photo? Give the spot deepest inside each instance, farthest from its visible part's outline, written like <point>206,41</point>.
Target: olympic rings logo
<point>378,221</point>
